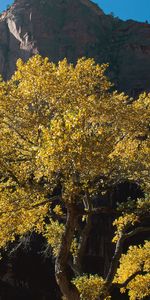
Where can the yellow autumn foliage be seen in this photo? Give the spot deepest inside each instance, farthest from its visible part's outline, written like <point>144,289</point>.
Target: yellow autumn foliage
<point>53,234</point>
<point>137,259</point>
<point>90,287</point>
<point>61,125</point>
<point>132,214</point>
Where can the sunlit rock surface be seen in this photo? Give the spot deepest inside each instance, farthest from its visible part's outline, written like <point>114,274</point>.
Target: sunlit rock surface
<point>72,29</point>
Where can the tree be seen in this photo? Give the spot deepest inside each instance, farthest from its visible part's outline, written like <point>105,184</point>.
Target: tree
<point>64,136</point>
<point>135,276</point>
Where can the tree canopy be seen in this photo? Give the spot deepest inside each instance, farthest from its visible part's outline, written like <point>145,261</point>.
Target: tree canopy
<point>66,136</point>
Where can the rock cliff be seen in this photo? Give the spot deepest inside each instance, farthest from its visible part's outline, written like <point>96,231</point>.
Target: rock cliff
<point>72,29</point>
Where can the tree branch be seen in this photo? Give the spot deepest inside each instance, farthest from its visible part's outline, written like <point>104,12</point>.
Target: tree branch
<point>136,231</point>
<point>118,252</point>
<point>115,260</point>
<point>17,131</point>
<point>27,207</point>
<point>103,210</point>
<point>125,283</point>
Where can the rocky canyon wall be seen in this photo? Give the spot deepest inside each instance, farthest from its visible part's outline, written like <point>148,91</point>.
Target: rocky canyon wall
<point>72,29</point>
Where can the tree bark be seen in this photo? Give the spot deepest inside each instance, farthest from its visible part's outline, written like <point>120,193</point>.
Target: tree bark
<point>67,288</point>
<point>82,246</point>
<point>115,261</point>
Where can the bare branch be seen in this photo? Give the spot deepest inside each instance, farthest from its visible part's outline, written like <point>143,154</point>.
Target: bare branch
<point>135,231</point>
<point>118,252</point>
<point>102,210</point>
<point>115,260</point>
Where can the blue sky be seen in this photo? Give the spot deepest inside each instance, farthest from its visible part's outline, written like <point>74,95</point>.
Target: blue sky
<point>124,9</point>
<point>127,9</point>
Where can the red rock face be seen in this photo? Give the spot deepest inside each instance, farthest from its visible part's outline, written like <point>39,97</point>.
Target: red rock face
<point>72,29</point>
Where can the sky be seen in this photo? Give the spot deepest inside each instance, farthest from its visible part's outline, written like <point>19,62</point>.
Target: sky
<point>124,9</point>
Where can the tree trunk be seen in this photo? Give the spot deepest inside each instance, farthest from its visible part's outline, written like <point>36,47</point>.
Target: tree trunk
<point>67,288</point>
<point>82,246</point>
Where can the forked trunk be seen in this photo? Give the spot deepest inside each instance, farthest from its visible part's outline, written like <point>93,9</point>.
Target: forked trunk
<point>67,288</point>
